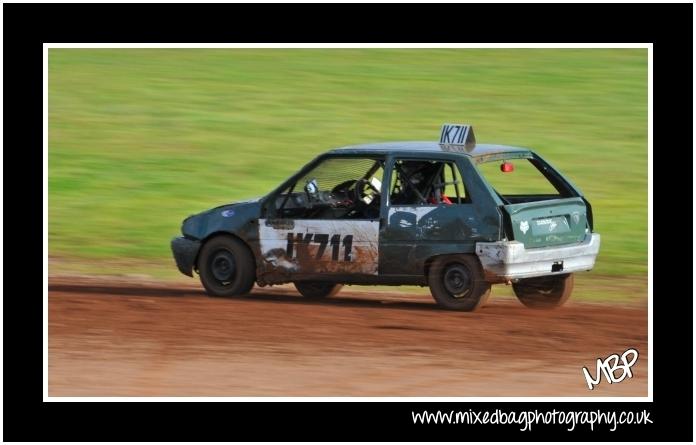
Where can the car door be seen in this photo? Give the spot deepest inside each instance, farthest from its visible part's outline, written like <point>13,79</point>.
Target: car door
<point>428,213</point>
<point>315,229</point>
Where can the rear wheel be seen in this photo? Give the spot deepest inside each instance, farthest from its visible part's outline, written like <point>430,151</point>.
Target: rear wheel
<point>544,292</point>
<point>457,282</point>
<point>317,289</point>
<point>226,267</point>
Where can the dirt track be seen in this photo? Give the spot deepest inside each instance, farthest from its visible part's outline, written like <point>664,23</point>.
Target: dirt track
<point>116,339</point>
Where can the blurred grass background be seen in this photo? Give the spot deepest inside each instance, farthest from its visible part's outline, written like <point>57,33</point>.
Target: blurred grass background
<point>141,138</point>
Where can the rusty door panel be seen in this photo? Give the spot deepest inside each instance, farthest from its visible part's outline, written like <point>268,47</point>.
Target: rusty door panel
<point>298,247</point>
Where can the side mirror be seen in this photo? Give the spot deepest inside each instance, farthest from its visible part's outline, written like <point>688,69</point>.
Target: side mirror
<point>311,188</point>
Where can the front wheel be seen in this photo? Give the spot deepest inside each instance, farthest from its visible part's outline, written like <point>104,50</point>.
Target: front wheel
<point>457,282</point>
<point>544,292</point>
<point>317,289</point>
<point>226,267</point>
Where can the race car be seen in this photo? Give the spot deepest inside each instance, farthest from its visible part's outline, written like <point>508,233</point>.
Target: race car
<point>450,214</point>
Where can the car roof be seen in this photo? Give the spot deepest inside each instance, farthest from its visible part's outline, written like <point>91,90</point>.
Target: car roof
<point>405,147</point>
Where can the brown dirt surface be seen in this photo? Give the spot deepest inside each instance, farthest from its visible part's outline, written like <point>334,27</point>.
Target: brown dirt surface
<point>109,337</point>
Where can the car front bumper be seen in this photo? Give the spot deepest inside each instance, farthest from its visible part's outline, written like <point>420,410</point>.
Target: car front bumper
<point>185,251</point>
<point>509,260</point>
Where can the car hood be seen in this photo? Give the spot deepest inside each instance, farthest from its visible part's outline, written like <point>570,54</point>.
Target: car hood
<point>225,218</point>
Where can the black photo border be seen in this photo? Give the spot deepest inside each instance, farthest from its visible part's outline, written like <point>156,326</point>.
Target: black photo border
<point>668,27</point>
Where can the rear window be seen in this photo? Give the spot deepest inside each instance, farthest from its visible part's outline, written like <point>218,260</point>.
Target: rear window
<point>525,179</point>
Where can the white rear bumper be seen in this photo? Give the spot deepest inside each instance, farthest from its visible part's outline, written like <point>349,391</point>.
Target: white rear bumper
<point>509,260</point>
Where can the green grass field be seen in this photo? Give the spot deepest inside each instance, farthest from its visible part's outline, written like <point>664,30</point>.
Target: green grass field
<point>140,139</point>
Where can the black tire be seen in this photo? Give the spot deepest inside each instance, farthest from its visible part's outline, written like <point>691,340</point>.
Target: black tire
<point>226,267</point>
<point>317,290</point>
<point>457,282</point>
<point>544,292</point>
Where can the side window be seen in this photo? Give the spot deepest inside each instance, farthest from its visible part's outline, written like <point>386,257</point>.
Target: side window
<point>418,182</point>
<point>335,172</point>
<point>336,188</point>
<point>454,186</point>
<point>520,181</point>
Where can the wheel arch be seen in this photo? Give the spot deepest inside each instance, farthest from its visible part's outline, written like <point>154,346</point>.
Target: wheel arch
<point>430,260</point>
